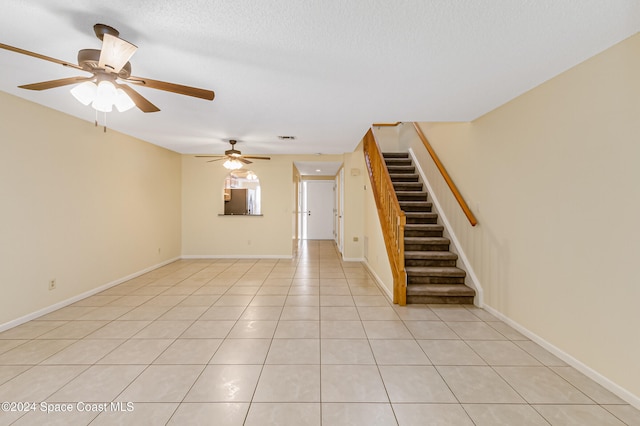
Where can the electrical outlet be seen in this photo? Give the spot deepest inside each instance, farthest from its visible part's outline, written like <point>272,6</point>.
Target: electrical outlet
<point>52,284</point>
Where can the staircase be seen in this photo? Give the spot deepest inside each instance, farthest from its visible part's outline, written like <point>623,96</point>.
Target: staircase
<point>432,275</point>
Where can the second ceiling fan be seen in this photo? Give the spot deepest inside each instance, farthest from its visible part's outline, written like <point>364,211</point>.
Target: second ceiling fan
<point>234,158</point>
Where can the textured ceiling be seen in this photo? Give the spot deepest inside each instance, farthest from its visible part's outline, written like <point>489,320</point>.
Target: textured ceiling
<point>322,71</point>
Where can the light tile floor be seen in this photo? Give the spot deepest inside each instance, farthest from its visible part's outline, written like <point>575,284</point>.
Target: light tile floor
<point>307,341</point>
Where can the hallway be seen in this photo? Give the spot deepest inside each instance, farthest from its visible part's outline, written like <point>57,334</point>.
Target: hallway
<point>307,341</point>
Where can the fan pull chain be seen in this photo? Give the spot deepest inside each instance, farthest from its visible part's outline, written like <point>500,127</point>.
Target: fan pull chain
<point>105,121</point>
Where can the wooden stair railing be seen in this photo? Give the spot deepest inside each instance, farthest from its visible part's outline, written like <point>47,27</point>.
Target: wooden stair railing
<point>392,218</point>
<point>445,175</point>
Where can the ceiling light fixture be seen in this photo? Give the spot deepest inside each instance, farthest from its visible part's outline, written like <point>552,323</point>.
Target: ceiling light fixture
<point>102,96</point>
<point>232,164</point>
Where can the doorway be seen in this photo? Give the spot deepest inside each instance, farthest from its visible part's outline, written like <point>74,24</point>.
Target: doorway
<point>339,210</point>
<point>318,202</point>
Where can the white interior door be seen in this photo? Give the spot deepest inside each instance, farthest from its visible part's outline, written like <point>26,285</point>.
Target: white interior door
<point>318,204</point>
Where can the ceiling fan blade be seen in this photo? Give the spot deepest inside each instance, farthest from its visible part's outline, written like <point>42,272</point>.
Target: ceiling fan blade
<point>210,156</point>
<point>217,159</point>
<point>115,53</point>
<point>55,83</point>
<point>141,102</point>
<point>243,160</point>
<point>172,87</point>
<point>256,158</point>
<point>39,56</point>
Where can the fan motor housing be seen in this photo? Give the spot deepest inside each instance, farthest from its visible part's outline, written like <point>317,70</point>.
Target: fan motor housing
<point>88,59</point>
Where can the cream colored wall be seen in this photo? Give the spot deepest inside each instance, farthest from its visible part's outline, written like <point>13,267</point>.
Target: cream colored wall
<point>206,233</point>
<point>355,177</point>
<point>553,177</point>
<point>81,206</point>
<point>375,255</point>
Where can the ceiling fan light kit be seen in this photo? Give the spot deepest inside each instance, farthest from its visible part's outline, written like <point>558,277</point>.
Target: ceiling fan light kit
<point>102,96</point>
<point>232,164</point>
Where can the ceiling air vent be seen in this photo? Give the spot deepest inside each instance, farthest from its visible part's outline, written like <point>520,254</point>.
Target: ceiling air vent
<point>286,138</point>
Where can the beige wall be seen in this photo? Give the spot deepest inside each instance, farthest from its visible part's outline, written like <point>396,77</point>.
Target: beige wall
<point>81,206</point>
<point>554,178</point>
<point>206,233</point>
<point>375,255</point>
<point>355,177</point>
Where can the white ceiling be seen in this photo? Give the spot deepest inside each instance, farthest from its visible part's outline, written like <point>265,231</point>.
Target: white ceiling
<point>322,70</point>
<point>318,168</point>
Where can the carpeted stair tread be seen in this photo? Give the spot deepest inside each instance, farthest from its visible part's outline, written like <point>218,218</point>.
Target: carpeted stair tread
<point>416,206</point>
<point>424,226</point>
<point>426,240</point>
<point>404,177</point>
<point>435,271</point>
<point>407,186</point>
<point>430,255</point>
<point>423,230</point>
<point>401,169</point>
<point>421,215</point>
<point>440,290</point>
<point>398,161</point>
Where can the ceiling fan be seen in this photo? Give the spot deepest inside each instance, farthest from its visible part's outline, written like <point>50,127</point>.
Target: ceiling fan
<point>110,67</point>
<point>234,158</point>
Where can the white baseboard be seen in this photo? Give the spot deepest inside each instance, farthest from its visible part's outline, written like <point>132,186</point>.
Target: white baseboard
<point>237,256</point>
<point>618,390</point>
<point>378,281</point>
<point>74,299</point>
<point>353,259</point>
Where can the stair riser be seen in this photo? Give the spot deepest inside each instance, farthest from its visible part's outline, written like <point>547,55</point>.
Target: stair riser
<point>404,177</point>
<point>426,247</point>
<point>428,262</point>
<point>412,197</point>
<point>407,186</point>
<point>412,279</point>
<point>391,162</point>
<point>426,207</point>
<point>422,220</point>
<point>395,155</point>
<point>422,233</point>
<point>401,169</point>
<point>448,300</point>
